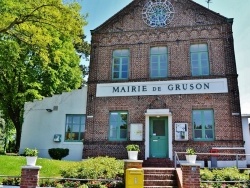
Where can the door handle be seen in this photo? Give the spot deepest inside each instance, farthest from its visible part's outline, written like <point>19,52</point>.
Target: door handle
<point>155,140</point>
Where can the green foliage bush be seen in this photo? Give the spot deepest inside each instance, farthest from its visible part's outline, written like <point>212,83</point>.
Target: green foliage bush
<point>96,168</point>
<point>49,184</point>
<point>11,181</point>
<point>82,184</point>
<point>96,184</point>
<point>224,174</point>
<point>63,183</point>
<point>30,152</point>
<point>133,147</point>
<point>58,153</point>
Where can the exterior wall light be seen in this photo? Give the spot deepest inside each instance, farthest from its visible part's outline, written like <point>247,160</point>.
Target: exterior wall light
<point>91,97</point>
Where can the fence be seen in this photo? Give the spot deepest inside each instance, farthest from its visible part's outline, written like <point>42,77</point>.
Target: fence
<point>233,157</point>
<point>237,157</point>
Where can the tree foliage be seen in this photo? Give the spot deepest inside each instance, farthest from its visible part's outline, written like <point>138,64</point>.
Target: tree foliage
<point>40,43</point>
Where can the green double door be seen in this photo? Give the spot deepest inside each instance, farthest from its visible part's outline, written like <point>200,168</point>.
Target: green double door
<point>158,137</point>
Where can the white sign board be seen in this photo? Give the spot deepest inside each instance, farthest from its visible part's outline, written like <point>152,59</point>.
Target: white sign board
<point>181,131</point>
<point>136,132</point>
<point>162,87</point>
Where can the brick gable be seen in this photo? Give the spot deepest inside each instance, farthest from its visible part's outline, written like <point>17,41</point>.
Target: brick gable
<point>192,24</point>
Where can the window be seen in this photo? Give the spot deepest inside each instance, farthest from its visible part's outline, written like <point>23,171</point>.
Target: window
<point>199,60</point>
<point>158,62</point>
<point>203,124</point>
<point>120,64</point>
<point>75,126</point>
<point>118,123</point>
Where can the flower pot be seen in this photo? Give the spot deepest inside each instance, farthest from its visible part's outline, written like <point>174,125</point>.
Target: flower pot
<point>31,160</point>
<point>191,158</point>
<point>133,155</point>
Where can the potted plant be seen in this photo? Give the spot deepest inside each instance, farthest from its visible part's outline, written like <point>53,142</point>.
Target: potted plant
<point>190,155</point>
<point>31,156</point>
<point>133,150</point>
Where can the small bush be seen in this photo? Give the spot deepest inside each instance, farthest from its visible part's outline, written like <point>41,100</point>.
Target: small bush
<point>96,168</point>
<point>83,186</point>
<point>2,152</point>
<point>133,147</point>
<point>58,153</point>
<point>206,174</point>
<point>30,152</point>
<point>96,184</point>
<point>11,181</point>
<point>116,184</point>
<point>48,184</point>
<point>225,174</point>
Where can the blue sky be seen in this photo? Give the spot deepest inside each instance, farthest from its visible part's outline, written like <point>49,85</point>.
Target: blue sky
<point>100,10</point>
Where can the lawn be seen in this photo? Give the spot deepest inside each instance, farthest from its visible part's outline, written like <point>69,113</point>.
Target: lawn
<point>11,165</point>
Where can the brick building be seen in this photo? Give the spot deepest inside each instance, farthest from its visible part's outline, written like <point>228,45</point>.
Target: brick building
<point>162,75</point>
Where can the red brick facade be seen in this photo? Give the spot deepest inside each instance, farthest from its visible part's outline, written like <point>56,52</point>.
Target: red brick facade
<point>191,24</point>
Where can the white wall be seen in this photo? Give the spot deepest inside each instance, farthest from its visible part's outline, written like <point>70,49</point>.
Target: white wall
<point>40,126</point>
<point>246,135</point>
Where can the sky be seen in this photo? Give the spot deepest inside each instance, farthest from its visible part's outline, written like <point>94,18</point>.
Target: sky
<point>101,10</point>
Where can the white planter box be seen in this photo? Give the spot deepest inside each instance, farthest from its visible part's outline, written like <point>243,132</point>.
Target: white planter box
<point>31,161</point>
<point>191,158</point>
<point>133,155</point>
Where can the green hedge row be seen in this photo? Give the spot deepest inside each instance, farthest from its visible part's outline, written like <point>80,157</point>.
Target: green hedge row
<point>225,174</point>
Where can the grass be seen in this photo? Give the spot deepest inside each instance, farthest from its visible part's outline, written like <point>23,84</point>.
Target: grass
<point>11,166</point>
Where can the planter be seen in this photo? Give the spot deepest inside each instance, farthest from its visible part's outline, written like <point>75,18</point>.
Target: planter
<point>133,155</point>
<point>31,160</point>
<point>191,158</point>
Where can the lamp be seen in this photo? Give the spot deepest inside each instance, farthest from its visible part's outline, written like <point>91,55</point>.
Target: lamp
<point>91,97</point>
<point>49,110</point>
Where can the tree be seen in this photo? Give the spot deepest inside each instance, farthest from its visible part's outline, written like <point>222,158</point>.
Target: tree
<point>39,41</point>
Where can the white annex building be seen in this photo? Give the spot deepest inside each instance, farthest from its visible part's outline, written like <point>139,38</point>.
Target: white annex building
<point>56,122</point>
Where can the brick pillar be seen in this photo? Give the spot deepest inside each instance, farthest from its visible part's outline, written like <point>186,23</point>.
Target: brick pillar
<point>30,176</point>
<point>191,175</point>
<point>132,164</point>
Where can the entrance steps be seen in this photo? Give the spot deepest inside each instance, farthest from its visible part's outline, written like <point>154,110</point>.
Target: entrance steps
<point>158,162</point>
<point>160,178</point>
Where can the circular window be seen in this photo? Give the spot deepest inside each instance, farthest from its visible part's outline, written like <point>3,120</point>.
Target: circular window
<point>158,13</point>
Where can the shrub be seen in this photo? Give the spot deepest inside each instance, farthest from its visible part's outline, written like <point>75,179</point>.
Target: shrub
<point>83,186</point>
<point>49,184</point>
<point>30,152</point>
<point>58,153</point>
<point>96,184</point>
<point>225,174</point>
<point>63,183</point>
<point>115,184</point>
<point>2,152</point>
<point>206,174</point>
<point>133,147</point>
<point>96,168</point>
<point>190,151</point>
<point>11,181</point>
